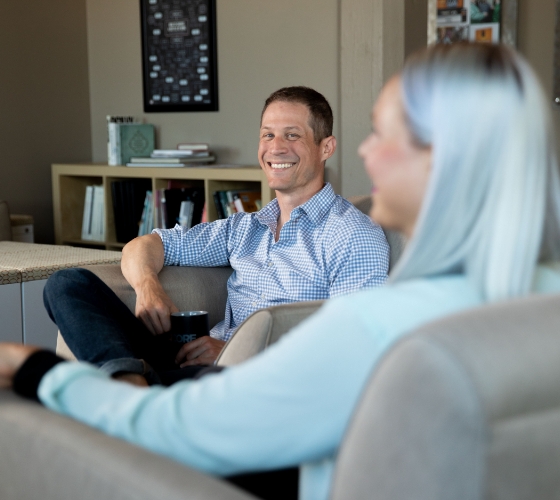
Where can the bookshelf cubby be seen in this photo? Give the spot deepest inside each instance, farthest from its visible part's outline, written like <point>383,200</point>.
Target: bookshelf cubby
<point>69,182</point>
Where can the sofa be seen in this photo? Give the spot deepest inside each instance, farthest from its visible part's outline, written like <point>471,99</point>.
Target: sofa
<point>466,407</point>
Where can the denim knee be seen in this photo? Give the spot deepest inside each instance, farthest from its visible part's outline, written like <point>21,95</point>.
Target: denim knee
<point>63,281</point>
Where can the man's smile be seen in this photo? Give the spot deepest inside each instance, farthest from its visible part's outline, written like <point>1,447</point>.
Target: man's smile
<point>280,165</point>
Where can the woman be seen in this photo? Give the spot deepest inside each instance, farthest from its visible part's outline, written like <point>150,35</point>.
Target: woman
<point>477,196</point>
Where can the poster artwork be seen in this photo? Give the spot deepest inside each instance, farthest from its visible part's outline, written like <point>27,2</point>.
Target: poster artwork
<point>474,20</point>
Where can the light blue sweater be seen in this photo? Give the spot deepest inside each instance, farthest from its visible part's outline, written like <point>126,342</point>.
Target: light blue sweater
<point>288,406</point>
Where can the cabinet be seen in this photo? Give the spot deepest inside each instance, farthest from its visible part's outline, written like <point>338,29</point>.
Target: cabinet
<point>69,184</point>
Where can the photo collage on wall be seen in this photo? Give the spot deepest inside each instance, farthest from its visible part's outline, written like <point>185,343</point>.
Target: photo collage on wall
<point>474,20</point>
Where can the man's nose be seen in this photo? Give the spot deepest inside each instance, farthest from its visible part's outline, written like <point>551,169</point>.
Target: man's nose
<point>279,145</point>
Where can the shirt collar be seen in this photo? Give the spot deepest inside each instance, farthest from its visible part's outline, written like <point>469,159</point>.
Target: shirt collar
<point>315,208</point>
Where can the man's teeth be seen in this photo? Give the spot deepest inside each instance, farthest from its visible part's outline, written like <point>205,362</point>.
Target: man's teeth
<point>281,165</point>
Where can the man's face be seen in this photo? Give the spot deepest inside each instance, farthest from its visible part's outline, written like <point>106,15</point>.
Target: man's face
<point>293,163</point>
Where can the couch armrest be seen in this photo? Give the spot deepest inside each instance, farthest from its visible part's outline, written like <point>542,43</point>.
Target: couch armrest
<point>48,456</point>
<point>190,288</point>
<point>262,328</point>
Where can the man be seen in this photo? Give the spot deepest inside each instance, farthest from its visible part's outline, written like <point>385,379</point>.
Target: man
<point>307,244</point>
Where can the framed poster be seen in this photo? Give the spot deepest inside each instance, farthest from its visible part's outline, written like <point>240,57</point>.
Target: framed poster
<point>486,21</point>
<point>179,55</point>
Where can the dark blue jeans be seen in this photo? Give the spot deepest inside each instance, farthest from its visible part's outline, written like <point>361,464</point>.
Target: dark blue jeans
<point>98,327</point>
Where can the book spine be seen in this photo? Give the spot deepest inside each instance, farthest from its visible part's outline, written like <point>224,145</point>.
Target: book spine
<point>218,204</point>
<point>101,209</point>
<point>224,203</point>
<point>194,146</point>
<point>142,225</point>
<point>94,216</point>
<point>238,203</point>
<point>86,219</point>
<point>163,208</point>
<point>230,204</point>
<point>204,216</point>
<point>156,208</point>
<point>112,149</point>
<point>150,216</point>
<point>118,145</point>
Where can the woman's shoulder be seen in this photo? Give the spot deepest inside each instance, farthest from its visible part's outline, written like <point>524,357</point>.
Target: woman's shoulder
<point>401,306</point>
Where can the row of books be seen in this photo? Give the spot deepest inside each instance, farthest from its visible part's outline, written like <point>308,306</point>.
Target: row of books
<point>230,202</point>
<point>166,207</point>
<point>138,209</point>
<point>93,221</point>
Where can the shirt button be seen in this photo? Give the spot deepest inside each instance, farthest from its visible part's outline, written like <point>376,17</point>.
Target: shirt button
<point>262,296</point>
<point>254,304</point>
<point>270,264</point>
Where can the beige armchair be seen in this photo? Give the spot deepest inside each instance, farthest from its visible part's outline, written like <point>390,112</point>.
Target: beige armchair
<point>467,407</point>
<point>193,288</point>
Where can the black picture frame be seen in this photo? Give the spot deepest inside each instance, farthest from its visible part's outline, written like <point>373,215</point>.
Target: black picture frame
<point>179,55</point>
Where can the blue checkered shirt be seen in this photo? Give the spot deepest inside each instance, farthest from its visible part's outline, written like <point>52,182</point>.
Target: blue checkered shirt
<point>327,248</point>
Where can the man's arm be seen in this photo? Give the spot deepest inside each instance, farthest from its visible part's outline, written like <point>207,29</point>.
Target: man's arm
<point>141,262</point>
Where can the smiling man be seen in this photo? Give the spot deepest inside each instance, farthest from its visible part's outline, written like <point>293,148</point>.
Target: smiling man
<point>307,244</point>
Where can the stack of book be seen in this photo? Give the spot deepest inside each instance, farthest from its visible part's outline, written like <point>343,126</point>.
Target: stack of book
<point>93,221</point>
<point>185,155</point>
<point>127,138</point>
<point>233,201</point>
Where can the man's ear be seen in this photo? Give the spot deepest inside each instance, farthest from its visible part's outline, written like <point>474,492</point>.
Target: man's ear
<point>328,147</point>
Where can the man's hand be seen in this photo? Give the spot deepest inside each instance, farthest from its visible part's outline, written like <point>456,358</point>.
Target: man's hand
<point>12,356</point>
<point>154,307</point>
<point>202,351</point>
<point>141,262</point>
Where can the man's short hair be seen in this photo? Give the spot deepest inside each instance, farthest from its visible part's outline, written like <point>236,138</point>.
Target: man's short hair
<point>320,112</point>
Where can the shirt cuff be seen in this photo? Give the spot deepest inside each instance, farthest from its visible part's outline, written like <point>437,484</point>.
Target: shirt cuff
<point>28,377</point>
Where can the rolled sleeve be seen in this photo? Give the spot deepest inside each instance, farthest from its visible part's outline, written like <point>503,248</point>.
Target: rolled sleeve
<point>204,245</point>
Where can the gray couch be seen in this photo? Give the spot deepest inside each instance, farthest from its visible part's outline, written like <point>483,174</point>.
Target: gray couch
<point>467,407</point>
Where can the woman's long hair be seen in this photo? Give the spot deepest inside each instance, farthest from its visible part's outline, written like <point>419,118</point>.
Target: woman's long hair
<point>492,207</point>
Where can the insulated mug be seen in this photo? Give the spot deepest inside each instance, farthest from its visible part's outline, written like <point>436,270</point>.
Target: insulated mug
<point>187,326</point>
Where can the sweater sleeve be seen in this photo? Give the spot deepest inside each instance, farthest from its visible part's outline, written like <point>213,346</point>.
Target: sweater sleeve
<point>29,375</point>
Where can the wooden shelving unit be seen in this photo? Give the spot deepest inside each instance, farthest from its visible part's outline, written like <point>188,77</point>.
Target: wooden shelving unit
<point>69,187</point>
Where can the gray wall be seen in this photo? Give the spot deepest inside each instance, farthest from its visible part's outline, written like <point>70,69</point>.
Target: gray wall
<point>44,101</point>
<point>67,63</point>
<point>536,42</point>
<point>262,46</point>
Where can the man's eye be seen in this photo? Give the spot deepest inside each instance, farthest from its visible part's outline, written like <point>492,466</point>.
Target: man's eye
<point>293,136</point>
<point>267,136</point>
